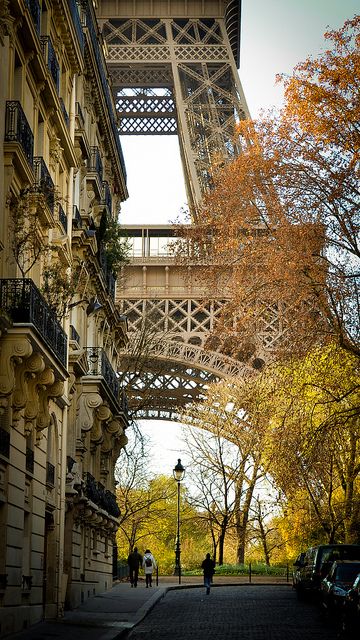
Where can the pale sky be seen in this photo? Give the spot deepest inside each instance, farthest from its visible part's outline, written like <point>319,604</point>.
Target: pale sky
<point>275,35</point>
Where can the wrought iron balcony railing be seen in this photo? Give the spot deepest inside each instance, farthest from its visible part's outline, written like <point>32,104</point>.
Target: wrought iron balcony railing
<point>51,60</point>
<point>17,129</point>
<point>63,218</point>
<point>35,10</point>
<point>74,335</point>
<point>95,163</point>
<point>107,199</point>
<point>43,182</point>
<point>99,365</point>
<point>22,300</point>
<point>76,219</point>
<point>79,115</point>
<point>105,85</point>
<point>109,277</point>
<point>4,443</point>
<point>74,9</point>
<point>100,496</point>
<point>64,112</point>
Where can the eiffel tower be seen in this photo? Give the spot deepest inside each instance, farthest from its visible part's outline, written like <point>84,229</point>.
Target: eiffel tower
<point>173,66</point>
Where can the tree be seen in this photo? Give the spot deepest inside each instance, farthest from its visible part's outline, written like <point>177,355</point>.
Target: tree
<point>214,465</point>
<point>263,528</point>
<point>228,460</point>
<point>279,233</point>
<point>113,244</point>
<point>135,497</point>
<point>27,241</point>
<point>148,510</point>
<point>60,282</point>
<point>313,441</point>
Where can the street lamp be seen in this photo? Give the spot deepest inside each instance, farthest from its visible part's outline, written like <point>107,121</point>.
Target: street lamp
<point>178,473</point>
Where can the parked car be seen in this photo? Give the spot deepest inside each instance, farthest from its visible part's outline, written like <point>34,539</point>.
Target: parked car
<point>351,610</point>
<point>335,586</point>
<point>296,572</point>
<point>316,564</point>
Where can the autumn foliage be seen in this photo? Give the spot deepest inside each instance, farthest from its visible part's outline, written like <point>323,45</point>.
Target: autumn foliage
<point>279,232</point>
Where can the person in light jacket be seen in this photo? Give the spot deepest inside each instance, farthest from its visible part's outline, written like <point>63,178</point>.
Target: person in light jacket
<point>149,565</point>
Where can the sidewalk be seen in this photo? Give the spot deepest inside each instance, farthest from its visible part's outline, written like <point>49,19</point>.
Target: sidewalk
<point>110,615</point>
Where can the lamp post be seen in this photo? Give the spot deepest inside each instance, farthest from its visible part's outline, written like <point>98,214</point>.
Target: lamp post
<point>178,473</point>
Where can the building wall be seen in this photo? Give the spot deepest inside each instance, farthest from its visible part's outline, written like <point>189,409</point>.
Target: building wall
<point>62,414</point>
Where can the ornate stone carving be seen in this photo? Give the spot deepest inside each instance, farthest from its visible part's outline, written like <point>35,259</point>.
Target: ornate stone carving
<point>73,480</point>
<point>112,430</point>
<point>34,386</point>
<point>55,390</point>
<point>6,21</point>
<point>56,151</point>
<point>12,352</point>
<point>101,415</point>
<point>88,402</point>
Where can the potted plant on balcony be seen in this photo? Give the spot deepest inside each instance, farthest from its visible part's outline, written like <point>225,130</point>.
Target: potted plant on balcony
<point>113,243</point>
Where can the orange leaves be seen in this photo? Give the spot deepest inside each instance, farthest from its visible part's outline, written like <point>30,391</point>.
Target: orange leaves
<point>322,93</point>
<point>281,226</point>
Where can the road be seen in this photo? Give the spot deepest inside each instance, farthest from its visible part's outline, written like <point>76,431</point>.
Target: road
<point>233,613</point>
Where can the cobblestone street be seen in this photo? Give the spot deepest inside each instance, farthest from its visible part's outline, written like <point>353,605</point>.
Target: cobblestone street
<point>233,613</point>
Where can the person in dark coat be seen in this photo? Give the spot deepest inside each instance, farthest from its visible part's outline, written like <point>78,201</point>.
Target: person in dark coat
<point>208,566</point>
<point>134,562</point>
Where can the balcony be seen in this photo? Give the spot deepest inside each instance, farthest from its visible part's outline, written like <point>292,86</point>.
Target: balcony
<point>35,11</point>
<point>105,86</point>
<point>100,496</point>
<point>76,219</point>
<point>107,199</point>
<point>17,129</point>
<point>95,164</point>
<point>79,116</point>
<point>52,64</point>
<point>63,219</point>
<point>43,182</point>
<point>73,6</point>
<point>64,112</point>
<point>108,275</point>
<point>22,300</point>
<point>99,365</point>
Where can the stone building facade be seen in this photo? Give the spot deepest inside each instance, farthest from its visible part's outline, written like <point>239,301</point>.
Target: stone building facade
<point>63,414</point>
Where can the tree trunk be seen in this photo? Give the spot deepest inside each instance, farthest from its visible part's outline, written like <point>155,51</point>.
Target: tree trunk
<point>242,512</point>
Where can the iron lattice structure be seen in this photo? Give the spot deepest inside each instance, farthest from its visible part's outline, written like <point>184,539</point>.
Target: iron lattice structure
<point>173,354</point>
<point>173,66</point>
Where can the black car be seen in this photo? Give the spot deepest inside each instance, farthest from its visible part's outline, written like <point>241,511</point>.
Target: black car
<point>351,610</point>
<point>296,572</point>
<point>335,586</point>
<point>316,564</point>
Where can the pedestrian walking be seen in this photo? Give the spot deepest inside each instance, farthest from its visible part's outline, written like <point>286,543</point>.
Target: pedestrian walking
<point>149,565</point>
<point>134,562</point>
<point>208,566</point>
